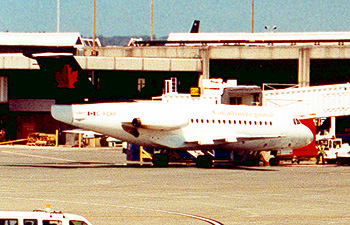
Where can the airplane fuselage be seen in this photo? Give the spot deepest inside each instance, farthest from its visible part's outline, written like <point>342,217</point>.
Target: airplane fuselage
<point>189,125</point>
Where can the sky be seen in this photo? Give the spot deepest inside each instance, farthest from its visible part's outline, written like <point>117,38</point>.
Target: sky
<point>132,17</point>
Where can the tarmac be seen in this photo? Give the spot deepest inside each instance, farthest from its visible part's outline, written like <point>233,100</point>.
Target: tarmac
<point>99,185</point>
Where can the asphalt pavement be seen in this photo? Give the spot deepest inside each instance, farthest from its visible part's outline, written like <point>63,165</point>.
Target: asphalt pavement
<point>99,185</point>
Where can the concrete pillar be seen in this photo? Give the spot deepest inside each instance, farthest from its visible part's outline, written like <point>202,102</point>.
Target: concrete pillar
<point>304,67</point>
<point>204,54</point>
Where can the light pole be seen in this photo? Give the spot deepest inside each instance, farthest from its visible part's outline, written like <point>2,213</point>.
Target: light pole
<point>252,16</point>
<point>58,16</point>
<point>94,30</point>
<point>151,20</point>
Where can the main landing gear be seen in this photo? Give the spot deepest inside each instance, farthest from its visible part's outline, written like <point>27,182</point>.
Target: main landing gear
<point>160,160</point>
<point>204,161</point>
<point>274,161</point>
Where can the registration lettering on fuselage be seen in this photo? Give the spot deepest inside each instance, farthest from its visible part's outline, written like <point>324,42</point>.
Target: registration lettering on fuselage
<point>101,113</point>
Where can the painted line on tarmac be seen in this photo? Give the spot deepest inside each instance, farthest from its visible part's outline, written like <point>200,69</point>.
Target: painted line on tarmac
<point>210,221</point>
<point>39,156</point>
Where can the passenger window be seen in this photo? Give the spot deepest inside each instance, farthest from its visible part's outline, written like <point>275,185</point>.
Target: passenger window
<point>75,222</point>
<point>8,221</point>
<point>52,222</point>
<point>30,222</point>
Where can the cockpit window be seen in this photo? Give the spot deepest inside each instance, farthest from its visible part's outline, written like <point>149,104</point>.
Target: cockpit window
<point>296,121</point>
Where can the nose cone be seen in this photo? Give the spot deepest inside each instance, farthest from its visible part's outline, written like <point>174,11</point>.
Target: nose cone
<point>63,113</point>
<point>300,136</point>
<point>307,135</point>
<point>308,130</point>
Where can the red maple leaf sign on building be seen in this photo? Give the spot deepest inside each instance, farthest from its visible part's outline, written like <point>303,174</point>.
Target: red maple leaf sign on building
<point>67,77</point>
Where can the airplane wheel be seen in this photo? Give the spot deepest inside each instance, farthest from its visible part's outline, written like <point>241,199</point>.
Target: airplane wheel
<point>135,133</point>
<point>274,161</point>
<point>160,160</point>
<point>204,161</point>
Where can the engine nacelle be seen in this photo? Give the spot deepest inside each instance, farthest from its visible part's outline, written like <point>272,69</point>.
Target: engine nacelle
<point>136,122</point>
<point>160,123</point>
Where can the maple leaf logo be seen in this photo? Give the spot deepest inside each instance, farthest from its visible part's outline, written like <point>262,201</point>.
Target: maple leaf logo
<point>66,78</point>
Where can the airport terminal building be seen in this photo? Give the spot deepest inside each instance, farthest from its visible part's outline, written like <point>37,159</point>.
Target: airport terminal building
<point>138,71</point>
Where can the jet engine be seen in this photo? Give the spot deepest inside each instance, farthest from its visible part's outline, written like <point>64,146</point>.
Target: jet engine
<point>160,122</point>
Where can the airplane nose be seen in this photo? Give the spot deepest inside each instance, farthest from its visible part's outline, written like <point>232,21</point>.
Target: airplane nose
<point>63,113</point>
<point>308,134</point>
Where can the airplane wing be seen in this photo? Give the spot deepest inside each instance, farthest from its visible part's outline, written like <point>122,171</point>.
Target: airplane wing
<point>210,138</point>
<point>258,137</point>
<point>224,138</point>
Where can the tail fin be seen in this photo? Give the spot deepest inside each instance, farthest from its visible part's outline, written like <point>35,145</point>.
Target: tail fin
<point>195,26</point>
<point>72,83</point>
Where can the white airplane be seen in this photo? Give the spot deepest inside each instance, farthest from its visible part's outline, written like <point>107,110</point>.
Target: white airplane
<point>173,126</point>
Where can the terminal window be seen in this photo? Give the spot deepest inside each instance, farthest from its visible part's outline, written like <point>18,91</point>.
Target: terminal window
<point>141,82</point>
<point>236,101</point>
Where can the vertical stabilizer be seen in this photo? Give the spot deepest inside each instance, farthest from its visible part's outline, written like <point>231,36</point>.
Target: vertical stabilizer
<point>195,26</point>
<point>71,83</point>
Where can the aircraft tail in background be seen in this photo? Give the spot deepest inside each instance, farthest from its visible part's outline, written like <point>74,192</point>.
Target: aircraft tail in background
<point>195,26</point>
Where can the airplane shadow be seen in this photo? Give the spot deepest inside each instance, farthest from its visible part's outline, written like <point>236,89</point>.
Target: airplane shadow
<point>251,168</point>
<point>96,165</point>
<point>71,165</point>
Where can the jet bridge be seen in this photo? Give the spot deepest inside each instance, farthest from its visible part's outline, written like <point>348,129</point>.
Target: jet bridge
<point>310,102</point>
<point>315,102</point>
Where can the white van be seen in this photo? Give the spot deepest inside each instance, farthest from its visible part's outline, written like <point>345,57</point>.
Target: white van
<point>41,217</point>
